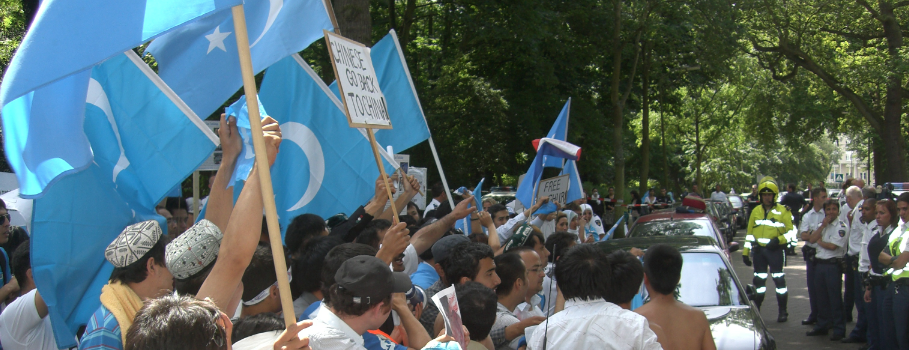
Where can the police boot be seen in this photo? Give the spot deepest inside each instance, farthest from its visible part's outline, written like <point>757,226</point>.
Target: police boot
<point>782,300</point>
<point>758,300</point>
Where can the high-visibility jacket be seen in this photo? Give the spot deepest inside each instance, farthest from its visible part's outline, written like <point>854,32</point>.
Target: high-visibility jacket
<point>766,225</point>
<point>896,246</point>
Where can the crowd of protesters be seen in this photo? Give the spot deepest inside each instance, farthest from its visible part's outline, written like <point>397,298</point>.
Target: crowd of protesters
<point>524,280</point>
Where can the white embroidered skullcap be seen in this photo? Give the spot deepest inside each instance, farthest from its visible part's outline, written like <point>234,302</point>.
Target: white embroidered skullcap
<point>193,250</point>
<point>132,244</point>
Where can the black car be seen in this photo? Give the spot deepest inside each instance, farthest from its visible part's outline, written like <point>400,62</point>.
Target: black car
<point>709,283</point>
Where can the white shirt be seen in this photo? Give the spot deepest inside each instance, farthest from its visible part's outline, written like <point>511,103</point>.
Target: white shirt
<point>855,240</point>
<point>867,230</point>
<point>718,196</point>
<point>595,225</point>
<point>810,222</point>
<point>595,324</point>
<point>434,203</point>
<point>328,332</point>
<point>21,328</point>
<point>506,230</point>
<point>835,233</point>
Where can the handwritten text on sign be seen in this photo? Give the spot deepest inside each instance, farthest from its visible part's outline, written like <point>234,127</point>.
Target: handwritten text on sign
<point>357,80</point>
<point>556,188</point>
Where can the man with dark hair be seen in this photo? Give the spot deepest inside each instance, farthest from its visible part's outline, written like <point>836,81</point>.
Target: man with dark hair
<point>374,233</point>
<point>508,329</point>
<point>810,221</point>
<point>306,269</point>
<point>479,303</point>
<point>360,300</point>
<point>301,229</point>
<point>530,306</point>
<point>588,321</point>
<point>627,275</point>
<point>471,262</point>
<point>181,215</point>
<point>684,326</point>
<point>440,196</point>
<point>505,227</point>
<point>558,243</point>
<point>24,323</point>
<point>139,274</point>
<point>260,284</point>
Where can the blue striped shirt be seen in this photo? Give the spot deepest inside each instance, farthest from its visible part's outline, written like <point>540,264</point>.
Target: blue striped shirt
<point>102,332</point>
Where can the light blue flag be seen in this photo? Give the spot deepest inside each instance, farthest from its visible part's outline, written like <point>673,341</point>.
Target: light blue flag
<point>42,90</point>
<point>143,145</point>
<point>466,224</point>
<point>575,186</point>
<point>200,61</point>
<point>247,157</point>
<point>404,108</point>
<point>546,147</point>
<point>559,131</point>
<point>324,167</point>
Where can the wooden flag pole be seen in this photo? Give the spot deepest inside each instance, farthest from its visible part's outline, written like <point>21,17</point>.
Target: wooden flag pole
<point>268,195</point>
<point>375,152</point>
<point>195,206</point>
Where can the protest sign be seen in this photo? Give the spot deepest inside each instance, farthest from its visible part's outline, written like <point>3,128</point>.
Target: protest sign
<point>357,82</point>
<point>214,160</point>
<point>364,103</point>
<point>556,188</point>
<point>447,302</point>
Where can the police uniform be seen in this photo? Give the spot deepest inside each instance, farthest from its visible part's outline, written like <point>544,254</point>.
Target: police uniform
<point>897,300</point>
<point>810,221</point>
<point>764,244</point>
<point>828,283</point>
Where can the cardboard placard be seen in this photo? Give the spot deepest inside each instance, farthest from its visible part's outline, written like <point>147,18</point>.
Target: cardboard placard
<point>556,188</point>
<point>364,103</point>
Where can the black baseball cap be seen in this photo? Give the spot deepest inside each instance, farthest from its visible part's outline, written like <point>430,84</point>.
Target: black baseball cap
<point>443,246</point>
<point>370,279</point>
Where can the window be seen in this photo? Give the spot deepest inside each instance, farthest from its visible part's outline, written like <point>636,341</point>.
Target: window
<point>706,281</point>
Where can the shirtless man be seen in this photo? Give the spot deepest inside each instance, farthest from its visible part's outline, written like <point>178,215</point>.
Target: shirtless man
<point>684,326</point>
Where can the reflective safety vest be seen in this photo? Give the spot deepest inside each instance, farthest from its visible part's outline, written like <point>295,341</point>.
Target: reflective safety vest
<point>896,240</point>
<point>765,226</point>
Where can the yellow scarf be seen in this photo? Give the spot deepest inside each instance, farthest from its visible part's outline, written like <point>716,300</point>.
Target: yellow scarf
<point>123,302</point>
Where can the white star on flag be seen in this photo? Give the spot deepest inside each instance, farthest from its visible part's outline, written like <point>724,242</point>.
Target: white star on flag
<point>216,39</point>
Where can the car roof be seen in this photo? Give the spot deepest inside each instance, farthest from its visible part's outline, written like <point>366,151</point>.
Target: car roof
<point>670,216</point>
<point>685,244</point>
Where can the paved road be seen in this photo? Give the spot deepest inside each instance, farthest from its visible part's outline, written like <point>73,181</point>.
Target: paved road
<point>789,335</point>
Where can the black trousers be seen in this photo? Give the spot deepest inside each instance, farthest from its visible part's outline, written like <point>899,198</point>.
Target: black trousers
<point>769,263</point>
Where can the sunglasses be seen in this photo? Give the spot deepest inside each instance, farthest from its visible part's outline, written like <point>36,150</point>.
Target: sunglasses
<point>5,216</point>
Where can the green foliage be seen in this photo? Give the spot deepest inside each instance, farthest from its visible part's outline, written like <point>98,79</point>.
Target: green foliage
<point>12,29</point>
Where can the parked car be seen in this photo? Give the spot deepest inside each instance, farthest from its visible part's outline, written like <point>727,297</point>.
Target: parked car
<point>682,224</point>
<point>720,214</point>
<point>709,283</point>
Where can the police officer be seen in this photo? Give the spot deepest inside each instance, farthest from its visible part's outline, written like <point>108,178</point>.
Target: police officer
<point>811,220</point>
<point>765,239</point>
<point>831,238</point>
<point>895,257</point>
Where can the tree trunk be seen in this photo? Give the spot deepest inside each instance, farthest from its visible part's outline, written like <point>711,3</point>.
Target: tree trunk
<point>354,20</point>
<point>877,150</point>
<point>698,153</point>
<point>665,174</point>
<point>894,141</point>
<point>392,18</point>
<point>617,114</point>
<point>404,34</point>
<point>645,121</point>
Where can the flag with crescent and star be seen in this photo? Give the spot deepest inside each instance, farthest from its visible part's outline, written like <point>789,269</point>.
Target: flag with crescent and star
<point>404,107</point>
<point>43,92</point>
<point>200,60</point>
<point>324,167</point>
<point>144,141</point>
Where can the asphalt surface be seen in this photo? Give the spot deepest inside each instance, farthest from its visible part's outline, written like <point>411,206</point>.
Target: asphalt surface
<point>791,334</point>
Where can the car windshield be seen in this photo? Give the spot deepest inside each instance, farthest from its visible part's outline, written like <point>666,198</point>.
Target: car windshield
<point>706,281</point>
<point>672,228</point>
<point>736,201</point>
